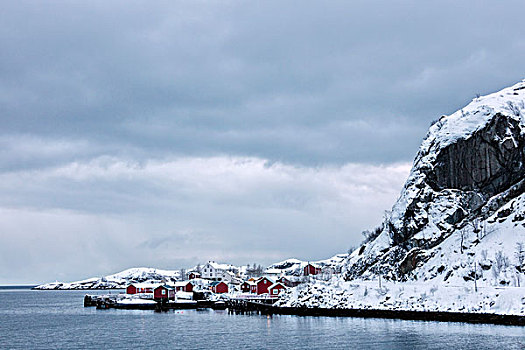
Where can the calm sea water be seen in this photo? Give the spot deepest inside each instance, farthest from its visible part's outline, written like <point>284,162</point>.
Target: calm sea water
<point>58,320</point>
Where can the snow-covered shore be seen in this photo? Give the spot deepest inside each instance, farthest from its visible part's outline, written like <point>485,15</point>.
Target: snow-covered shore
<point>406,296</point>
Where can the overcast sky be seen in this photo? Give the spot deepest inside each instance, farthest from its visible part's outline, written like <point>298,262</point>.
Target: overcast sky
<point>169,133</point>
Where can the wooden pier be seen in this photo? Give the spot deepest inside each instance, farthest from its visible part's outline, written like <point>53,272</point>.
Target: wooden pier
<point>241,307</point>
<point>116,302</point>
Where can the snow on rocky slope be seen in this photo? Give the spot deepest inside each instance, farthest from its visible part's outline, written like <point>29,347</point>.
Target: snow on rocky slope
<point>466,183</point>
<point>460,220</point>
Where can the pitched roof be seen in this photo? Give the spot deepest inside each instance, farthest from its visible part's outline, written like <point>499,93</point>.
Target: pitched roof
<point>218,266</point>
<point>182,283</point>
<point>276,284</point>
<point>214,283</point>
<point>262,278</point>
<point>165,286</point>
<point>145,285</point>
<point>313,264</point>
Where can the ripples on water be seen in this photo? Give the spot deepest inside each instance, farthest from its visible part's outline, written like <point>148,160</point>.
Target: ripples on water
<point>57,320</point>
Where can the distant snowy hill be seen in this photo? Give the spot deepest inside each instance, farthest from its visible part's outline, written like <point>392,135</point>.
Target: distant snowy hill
<point>146,274</point>
<point>461,213</point>
<point>118,280</point>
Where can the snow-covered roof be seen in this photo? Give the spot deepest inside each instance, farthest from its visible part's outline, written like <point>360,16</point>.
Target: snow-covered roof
<point>277,284</point>
<point>181,283</point>
<point>214,283</point>
<point>165,286</point>
<point>313,264</point>
<point>146,285</point>
<point>218,266</point>
<point>262,278</point>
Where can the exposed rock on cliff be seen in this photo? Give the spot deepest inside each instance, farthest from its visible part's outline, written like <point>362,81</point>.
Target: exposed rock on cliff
<point>469,167</point>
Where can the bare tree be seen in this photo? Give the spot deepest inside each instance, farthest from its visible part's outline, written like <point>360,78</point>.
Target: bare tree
<point>476,227</point>
<point>501,262</point>
<point>484,255</point>
<point>462,235</point>
<point>520,254</point>
<point>520,258</point>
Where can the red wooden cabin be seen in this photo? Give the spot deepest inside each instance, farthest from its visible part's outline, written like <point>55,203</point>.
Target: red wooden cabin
<point>131,289</point>
<point>140,288</point>
<point>219,287</point>
<point>164,292</point>
<point>262,284</point>
<point>276,289</point>
<point>185,286</point>
<point>285,281</point>
<point>311,270</point>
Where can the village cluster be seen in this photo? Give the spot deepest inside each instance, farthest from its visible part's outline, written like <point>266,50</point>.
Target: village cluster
<point>214,279</point>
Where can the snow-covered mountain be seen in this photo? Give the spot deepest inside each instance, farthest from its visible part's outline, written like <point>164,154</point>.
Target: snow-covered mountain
<point>455,238</point>
<point>118,280</point>
<point>461,213</point>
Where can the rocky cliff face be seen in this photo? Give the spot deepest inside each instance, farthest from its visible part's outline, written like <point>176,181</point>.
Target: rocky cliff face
<point>469,167</point>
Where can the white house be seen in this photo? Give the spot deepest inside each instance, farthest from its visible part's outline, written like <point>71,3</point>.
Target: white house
<point>218,272</point>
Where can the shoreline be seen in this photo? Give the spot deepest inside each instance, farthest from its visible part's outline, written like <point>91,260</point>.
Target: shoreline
<point>441,316</point>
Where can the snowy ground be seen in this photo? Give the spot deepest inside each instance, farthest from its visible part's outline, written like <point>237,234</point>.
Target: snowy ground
<point>413,296</point>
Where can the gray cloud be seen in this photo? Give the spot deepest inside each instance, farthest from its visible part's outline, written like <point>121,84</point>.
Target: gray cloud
<point>123,213</point>
<point>210,76</point>
<point>94,95</point>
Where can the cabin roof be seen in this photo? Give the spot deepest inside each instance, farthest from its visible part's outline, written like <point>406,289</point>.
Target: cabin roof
<point>215,283</point>
<point>145,285</point>
<point>277,284</point>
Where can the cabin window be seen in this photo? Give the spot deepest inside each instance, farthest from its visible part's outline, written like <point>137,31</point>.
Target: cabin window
<point>163,292</point>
